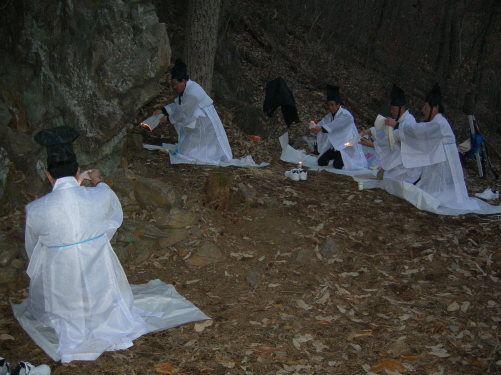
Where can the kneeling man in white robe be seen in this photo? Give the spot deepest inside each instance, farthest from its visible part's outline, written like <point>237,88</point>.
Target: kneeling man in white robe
<point>80,303</point>
<point>432,146</point>
<point>388,150</point>
<point>333,133</point>
<point>201,135</point>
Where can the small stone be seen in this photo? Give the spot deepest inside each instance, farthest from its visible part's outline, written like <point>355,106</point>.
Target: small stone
<point>253,276</point>
<point>173,237</point>
<point>208,253</point>
<point>175,218</point>
<point>303,255</point>
<point>141,251</point>
<point>248,192</point>
<point>8,252</point>
<point>125,236</point>
<point>154,193</point>
<point>329,248</point>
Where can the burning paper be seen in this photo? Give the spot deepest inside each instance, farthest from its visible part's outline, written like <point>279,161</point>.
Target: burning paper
<point>353,141</point>
<point>152,122</point>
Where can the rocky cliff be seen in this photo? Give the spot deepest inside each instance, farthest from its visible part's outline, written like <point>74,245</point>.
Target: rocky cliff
<point>87,64</point>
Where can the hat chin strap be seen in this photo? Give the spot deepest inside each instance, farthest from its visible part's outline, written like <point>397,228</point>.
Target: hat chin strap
<point>399,113</point>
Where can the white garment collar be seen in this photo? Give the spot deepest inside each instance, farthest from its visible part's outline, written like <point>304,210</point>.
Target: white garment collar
<point>65,183</point>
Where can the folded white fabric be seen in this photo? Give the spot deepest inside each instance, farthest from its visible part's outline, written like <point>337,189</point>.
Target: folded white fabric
<point>379,122</point>
<point>380,125</point>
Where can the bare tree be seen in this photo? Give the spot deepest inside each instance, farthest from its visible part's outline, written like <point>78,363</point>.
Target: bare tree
<point>201,40</point>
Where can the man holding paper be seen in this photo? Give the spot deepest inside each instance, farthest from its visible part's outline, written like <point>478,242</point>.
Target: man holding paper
<point>334,133</point>
<point>201,135</point>
<point>80,303</point>
<point>387,146</point>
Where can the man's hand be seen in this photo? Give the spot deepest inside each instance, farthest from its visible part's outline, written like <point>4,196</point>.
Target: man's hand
<point>390,122</point>
<point>315,129</point>
<point>95,176</point>
<point>363,133</point>
<point>366,142</point>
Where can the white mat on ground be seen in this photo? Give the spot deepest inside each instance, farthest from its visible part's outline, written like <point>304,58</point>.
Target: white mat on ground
<point>166,309</point>
<point>404,190</point>
<point>426,202</point>
<point>174,159</point>
<point>291,155</point>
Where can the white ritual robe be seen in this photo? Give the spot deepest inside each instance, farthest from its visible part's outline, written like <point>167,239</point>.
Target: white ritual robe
<point>391,161</point>
<point>339,131</point>
<point>80,303</point>
<point>201,135</point>
<point>432,146</point>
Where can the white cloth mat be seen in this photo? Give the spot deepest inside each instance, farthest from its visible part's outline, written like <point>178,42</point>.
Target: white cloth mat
<point>159,304</point>
<point>245,162</point>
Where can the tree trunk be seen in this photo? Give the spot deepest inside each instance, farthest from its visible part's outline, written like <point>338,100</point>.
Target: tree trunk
<point>201,40</point>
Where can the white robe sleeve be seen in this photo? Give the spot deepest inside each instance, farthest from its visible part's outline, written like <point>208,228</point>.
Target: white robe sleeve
<point>114,216</point>
<point>30,238</point>
<point>186,114</point>
<point>340,131</point>
<point>421,144</point>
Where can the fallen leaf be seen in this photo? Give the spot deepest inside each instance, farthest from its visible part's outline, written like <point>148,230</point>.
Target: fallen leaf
<point>389,364</point>
<point>264,348</point>
<point>411,357</point>
<point>164,368</point>
<point>465,306</point>
<point>475,362</point>
<point>354,334</point>
<point>227,364</point>
<point>438,351</point>
<point>453,306</point>
<point>5,336</point>
<point>199,327</point>
<point>438,327</point>
<point>300,303</point>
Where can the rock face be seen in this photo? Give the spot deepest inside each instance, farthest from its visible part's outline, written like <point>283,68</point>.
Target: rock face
<point>87,64</point>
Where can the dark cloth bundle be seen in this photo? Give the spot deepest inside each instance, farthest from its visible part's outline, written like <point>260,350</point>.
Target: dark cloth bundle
<point>278,94</point>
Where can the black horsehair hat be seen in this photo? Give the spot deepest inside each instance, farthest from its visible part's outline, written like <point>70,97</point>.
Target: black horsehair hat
<point>58,142</point>
<point>434,98</point>
<point>180,70</point>
<point>397,97</point>
<point>333,94</point>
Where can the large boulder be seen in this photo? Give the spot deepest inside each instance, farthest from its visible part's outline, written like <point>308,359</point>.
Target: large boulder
<point>87,64</point>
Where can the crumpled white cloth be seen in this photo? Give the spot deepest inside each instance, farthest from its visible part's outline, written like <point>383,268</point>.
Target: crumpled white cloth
<point>245,162</point>
<point>159,304</point>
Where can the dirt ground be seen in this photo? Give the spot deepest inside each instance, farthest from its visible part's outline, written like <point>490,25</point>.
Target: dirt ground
<point>406,290</point>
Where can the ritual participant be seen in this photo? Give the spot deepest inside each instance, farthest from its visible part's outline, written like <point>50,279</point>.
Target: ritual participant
<point>201,136</point>
<point>333,132</point>
<point>80,303</point>
<point>432,146</point>
<point>386,151</point>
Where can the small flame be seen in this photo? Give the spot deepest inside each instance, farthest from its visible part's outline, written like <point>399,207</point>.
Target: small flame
<point>347,144</point>
<point>145,126</point>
